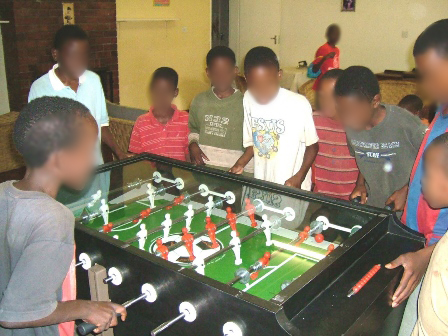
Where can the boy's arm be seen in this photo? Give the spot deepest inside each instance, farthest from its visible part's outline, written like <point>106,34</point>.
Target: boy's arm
<point>308,159</point>
<point>415,265</point>
<point>238,167</point>
<point>101,314</point>
<point>108,139</point>
<point>197,156</point>
<point>135,142</point>
<point>360,189</point>
<point>398,198</point>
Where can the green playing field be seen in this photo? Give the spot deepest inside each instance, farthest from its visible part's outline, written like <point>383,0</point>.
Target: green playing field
<point>284,266</point>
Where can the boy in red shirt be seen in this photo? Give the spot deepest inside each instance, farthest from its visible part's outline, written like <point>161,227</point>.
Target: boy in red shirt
<point>327,56</point>
<point>164,129</point>
<point>335,170</point>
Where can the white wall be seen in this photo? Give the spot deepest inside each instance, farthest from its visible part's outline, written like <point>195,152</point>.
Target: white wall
<point>4,101</point>
<point>372,36</point>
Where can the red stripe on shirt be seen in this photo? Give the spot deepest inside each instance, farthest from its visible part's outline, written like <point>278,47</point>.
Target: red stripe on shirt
<point>170,139</point>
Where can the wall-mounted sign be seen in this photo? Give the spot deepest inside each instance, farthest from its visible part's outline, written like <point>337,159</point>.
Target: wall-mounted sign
<point>161,2</point>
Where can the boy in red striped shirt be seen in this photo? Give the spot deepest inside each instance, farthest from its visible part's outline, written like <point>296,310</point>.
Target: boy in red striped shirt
<point>335,170</point>
<point>164,129</point>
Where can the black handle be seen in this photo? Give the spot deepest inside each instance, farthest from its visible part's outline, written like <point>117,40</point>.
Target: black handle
<point>390,206</point>
<point>87,328</point>
<point>357,199</point>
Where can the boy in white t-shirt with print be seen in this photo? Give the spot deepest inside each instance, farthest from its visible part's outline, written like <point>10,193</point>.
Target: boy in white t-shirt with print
<point>278,130</point>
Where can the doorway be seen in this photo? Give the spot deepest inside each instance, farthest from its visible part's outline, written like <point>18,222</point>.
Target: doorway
<point>254,23</point>
<point>220,23</point>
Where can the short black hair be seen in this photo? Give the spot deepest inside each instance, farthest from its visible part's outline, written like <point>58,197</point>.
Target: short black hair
<point>166,73</point>
<point>357,81</point>
<point>331,28</point>
<point>46,125</point>
<point>434,37</point>
<point>220,52</point>
<point>66,33</point>
<point>332,74</point>
<point>260,56</point>
<point>411,102</point>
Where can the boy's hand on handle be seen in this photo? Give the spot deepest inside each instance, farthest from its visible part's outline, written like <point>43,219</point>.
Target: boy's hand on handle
<point>360,191</point>
<point>295,182</point>
<point>197,155</point>
<point>237,168</point>
<point>415,265</point>
<point>398,198</point>
<point>104,314</point>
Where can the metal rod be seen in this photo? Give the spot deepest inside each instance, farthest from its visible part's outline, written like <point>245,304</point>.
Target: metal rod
<point>167,324</point>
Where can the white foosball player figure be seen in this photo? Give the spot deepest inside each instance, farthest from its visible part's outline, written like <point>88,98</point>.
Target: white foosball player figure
<point>142,234</point>
<point>236,242</point>
<point>151,192</point>
<point>200,264</point>
<point>189,214</point>
<point>166,227</point>
<point>210,204</point>
<point>95,197</point>
<point>267,225</point>
<point>104,208</point>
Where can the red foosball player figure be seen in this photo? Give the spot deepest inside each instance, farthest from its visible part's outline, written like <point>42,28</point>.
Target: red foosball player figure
<point>263,262</point>
<point>303,235</point>
<point>178,200</point>
<point>188,240</point>
<point>162,249</point>
<point>211,229</point>
<point>251,212</point>
<point>330,249</point>
<point>145,213</point>
<point>108,227</point>
<point>231,217</point>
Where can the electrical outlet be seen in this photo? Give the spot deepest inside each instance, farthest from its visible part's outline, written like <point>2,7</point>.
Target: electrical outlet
<point>68,13</point>
<point>404,34</point>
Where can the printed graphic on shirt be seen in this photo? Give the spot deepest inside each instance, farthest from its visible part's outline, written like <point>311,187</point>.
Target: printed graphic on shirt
<point>266,136</point>
<point>371,146</point>
<point>216,125</point>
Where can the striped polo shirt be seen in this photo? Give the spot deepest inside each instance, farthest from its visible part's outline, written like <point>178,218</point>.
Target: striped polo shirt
<point>418,215</point>
<point>170,139</point>
<point>334,170</point>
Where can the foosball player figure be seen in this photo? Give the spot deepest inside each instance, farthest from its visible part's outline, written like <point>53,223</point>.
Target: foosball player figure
<point>267,225</point>
<point>108,227</point>
<point>104,208</point>
<point>189,214</point>
<point>231,217</point>
<point>250,208</point>
<point>162,249</point>
<point>330,249</point>
<point>151,192</point>
<point>211,229</point>
<point>303,235</point>
<point>210,205</point>
<point>142,234</point>
<point>319,238</point>
<point>178,200</point>
<point>188,240</point>
<point>261,263</point>
<point>166,226</point>
<point>236,243</point>
<point>145,213</point>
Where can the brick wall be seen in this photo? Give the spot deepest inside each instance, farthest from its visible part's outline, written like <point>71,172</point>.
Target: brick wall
<point>28,40</point>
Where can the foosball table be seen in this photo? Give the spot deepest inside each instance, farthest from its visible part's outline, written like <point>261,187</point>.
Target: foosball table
<point>195,251</point>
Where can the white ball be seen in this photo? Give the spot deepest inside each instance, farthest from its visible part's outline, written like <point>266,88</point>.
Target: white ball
<point>388,167</point>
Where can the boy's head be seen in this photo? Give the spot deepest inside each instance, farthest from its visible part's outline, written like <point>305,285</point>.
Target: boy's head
<point>333,34</point>
<point>325,94</point>
<point>357,97</point>
<point>431,58</point>
<point>221,67</point>
<point>57,135</point>
<point>71,50</point>
<point>164,89</point>
<point>435,178</point>
<point>412,103</point>
<point>263,74</point>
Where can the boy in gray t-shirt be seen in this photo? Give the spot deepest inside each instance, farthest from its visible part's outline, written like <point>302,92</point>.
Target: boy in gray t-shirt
<point>56,137</point>
<point>384,139</point>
